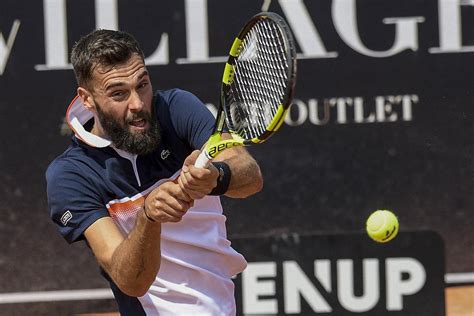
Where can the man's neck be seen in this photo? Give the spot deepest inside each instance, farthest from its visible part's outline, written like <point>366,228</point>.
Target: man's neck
<point>98,130</point>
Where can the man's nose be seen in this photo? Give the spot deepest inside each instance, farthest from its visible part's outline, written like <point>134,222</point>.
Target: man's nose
<point>135,102</point>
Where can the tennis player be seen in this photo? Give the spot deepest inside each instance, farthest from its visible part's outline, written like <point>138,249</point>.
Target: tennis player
<point>128,186</point>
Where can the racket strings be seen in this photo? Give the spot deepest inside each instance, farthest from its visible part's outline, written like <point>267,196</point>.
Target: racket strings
<point>260,80</point>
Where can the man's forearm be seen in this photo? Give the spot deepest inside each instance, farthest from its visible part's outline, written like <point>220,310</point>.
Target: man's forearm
<point>246,177</point>
<point>136,260</point>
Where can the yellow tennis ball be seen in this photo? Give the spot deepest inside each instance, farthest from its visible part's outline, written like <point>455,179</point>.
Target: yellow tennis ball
<point>382,226</point>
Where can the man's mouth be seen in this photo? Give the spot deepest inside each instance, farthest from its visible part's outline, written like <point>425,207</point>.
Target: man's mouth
<point>138,123</point>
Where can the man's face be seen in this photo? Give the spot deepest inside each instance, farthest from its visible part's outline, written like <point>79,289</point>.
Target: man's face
<point>122,101</point>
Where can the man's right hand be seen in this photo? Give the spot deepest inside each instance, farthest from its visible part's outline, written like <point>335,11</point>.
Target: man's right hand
<point>167,203</point>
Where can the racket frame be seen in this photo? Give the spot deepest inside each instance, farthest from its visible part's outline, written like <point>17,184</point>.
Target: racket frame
<point>216,144</point>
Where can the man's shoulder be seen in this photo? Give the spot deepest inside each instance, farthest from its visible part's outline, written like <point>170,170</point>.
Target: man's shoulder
<point>70,160</point>
<point>176,98</point>
<point>171,94</point>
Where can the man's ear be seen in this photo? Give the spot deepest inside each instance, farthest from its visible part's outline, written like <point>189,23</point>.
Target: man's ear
<point>87,99</point>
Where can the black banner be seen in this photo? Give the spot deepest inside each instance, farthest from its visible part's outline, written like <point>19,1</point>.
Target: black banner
<point>346,274</point>
<point>382,119</point>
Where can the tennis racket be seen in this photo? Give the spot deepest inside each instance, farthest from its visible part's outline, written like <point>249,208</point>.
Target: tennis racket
<point>257,86</point>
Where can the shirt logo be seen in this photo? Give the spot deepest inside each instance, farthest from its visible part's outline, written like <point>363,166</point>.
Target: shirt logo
<point>66,217</point>
<point>165,153</point>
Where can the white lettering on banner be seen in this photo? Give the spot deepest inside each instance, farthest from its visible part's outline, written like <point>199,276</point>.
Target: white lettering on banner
<point>310,40</point>
<point>106,14</point>
<point>197,34</point>
<point>450,33</point>
<point>302,113</point>
<point>304,30</point>
<point>55,36</point>
<point>6,47</point>
<point>398,284</point>
<point>403,277</point>
<point>298,285</point>
<point>345,285</point>
<point>380,109</point>
<point>322,271</point>
<point>161,55</point>
<point>359,116</point>
<point>250,280</point>
<point>344,18</point>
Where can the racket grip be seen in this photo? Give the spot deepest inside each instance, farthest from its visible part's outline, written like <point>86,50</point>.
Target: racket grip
<point>202,161</point>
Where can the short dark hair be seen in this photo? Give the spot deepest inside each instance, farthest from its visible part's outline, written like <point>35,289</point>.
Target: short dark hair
<point>102,47</point>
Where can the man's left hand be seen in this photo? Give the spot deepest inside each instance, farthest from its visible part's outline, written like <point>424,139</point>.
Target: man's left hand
<point>197,182</point>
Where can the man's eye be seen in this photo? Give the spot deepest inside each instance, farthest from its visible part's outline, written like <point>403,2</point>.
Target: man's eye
<point>117,94</point>
<point>142,85</point>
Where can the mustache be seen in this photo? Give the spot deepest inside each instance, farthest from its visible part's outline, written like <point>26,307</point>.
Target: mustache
<point>137,116</point>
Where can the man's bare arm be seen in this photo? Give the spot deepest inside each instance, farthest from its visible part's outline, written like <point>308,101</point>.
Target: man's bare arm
<point>134,261</point>
<point>246,177</point>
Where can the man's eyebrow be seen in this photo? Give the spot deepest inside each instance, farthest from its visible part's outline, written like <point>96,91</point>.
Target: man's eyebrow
<point>121,83</point>
<point>143,74</point>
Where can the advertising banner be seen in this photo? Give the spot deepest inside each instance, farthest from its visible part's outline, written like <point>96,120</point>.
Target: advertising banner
<point>382,119</point>
<point>346,274</point>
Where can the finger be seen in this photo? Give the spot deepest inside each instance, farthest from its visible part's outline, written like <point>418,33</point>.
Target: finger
<point>200,182</point>
<point>184,187</point>
<point>196,194</point>
<point>188,189</point>
<point>173,188</point>
<point>169,210</point>
<point>179,190</point>
<point>198,173</point>
<point>187,182</point>
<point>163,214</point>
<point>181,181</point>
<point>190,160</point>
<point>183,196</point>
<point>197,191</point>
<point>169,193</point>
<point>177,199</point>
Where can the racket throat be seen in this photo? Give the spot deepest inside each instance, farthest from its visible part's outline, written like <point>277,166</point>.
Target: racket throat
<point>216,145</point>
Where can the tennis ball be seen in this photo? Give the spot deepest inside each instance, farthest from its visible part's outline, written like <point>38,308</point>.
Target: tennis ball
<point>382,226</point>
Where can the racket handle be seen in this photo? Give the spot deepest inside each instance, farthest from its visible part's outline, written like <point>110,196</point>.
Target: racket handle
<point>202,161</point>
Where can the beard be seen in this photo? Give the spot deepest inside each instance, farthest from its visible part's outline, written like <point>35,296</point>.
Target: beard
<point>137,143</point>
